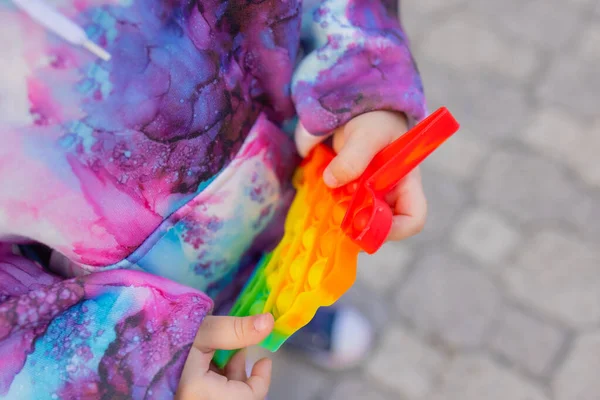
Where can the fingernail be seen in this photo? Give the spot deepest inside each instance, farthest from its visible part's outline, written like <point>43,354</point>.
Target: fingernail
<point>261,322</point>
<point>330,179</point>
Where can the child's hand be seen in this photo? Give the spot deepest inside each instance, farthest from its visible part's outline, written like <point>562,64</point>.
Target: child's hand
<point>201,380</point>
<point>356,144</point>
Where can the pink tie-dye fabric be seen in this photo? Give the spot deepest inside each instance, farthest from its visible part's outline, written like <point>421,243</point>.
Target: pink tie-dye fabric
<point>158,178</point>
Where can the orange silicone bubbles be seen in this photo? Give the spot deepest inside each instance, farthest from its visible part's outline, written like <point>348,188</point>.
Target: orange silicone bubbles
<point>325,229</point>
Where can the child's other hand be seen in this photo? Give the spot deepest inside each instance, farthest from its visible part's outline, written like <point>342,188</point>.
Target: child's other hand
<point>201,380</point>
<point>356,144</point>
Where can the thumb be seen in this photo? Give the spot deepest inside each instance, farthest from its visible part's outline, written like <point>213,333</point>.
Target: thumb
<point>363,138</point>
<point>230,333</point>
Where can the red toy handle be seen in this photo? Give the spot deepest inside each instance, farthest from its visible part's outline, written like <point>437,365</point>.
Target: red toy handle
<point>369,219</point>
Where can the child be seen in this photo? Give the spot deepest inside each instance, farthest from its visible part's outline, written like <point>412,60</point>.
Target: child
<point>138,192</point>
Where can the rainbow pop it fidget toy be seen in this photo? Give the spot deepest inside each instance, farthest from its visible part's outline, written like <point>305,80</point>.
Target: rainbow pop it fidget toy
<point>315,262</point>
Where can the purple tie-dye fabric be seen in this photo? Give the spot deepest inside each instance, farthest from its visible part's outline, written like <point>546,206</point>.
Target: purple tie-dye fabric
<point>159,177</point>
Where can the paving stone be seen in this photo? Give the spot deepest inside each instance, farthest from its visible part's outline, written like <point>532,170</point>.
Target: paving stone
<point>381,270</point>
<point>486,236</point>
<point>432,6</point>
<point>460,156</point>
<point>549,24</point>
<point>572,82</point>
<point>467,44</point>
<point>355,388</point>
<point>533,188</point>
<point>370,302</point>
<point>566,138</point>
<point>473,377</point>
<point>294,380</point>
<point>526,341</point>
<point>578,377</point>
<point>417,15</point>
<point>589,43</point>
<point>587,218</point>
<point>558,274</point>
<point>488,106</point>
<point>584,3</point>
<point>405,364</point>
<point>585,161</point>
<point>445,200</point>
<point>447,298</point>
<point>554,132</point>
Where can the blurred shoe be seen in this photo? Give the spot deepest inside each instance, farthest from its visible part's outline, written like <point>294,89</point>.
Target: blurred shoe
<point>336,338</point>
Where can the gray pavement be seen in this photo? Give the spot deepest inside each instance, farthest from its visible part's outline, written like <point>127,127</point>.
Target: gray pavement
<point>499,297</point>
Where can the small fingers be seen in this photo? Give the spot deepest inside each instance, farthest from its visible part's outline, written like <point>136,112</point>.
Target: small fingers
<point>362,139</point>
<point>235,369</point>
<point>198,382</point>
<point>231,333</point>
<point>213,386</point>
<point>260,379</point>
<point>410,208</point>
<point>353,157</point>
<point>193,371</point>
<point>254,388</point>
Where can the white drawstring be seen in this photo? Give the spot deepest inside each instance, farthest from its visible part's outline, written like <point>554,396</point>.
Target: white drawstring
<point>61,25</point>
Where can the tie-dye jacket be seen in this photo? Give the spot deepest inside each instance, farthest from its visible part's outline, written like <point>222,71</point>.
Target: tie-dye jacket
<point>157,178</point>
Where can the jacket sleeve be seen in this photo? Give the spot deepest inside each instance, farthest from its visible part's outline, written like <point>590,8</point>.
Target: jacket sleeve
<point>357,60</point>
<point>111,335</point>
